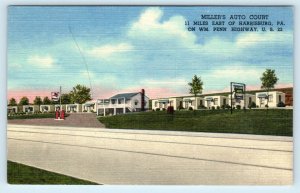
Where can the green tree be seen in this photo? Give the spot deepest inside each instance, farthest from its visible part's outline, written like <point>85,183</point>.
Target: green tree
<point>268,81</point>
<point>46,101</point>
<point>65,98</point>
<point>24,101</point>
<point>196,87</point>
<point>12,102</point>
<point>80,94</point>
<point>37,101</point>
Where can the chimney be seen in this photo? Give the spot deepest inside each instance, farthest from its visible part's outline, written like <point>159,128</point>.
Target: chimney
<point>143,100</point>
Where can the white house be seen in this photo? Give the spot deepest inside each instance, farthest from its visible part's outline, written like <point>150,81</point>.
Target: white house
<point>89,107</point>
<point>30,108</point>
<point>193,102</point>
<point>215,101</point>
<point>123,103</point>
<point>249,99</point>
<point>274,98</point>
<point>164,103</point>
<point>47,108</point>
<point>73,108</point>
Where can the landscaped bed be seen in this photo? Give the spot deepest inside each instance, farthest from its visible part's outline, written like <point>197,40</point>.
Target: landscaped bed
<point>253,121</point>
<point>22,174</point>
<point>32,116</point>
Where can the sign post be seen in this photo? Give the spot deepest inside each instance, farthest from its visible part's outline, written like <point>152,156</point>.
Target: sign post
<point>238,92</point>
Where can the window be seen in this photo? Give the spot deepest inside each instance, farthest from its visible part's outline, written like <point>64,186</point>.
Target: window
<point>215,101</point>
<point>155,104</point>
<point>224,101</point>
<point>136,102</point>
<point>270,98</point>
<point>201,102</point>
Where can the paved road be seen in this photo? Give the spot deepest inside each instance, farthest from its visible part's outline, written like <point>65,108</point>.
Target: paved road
<point>116,156</point>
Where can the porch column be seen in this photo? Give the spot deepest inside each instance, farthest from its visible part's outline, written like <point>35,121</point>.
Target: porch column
<point>115,111</point>
<point>104,111</point>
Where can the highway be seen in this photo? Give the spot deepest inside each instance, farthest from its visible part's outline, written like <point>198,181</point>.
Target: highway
<point>118,156</point>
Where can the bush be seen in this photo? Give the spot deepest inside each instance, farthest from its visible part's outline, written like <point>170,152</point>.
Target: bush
<point>252,105</point>
<point>213,108</point>
<point>180,107</point>
<point>238,107</point>
<point>84,111</point>
<point>201,107</point>
<point>223,107</point>
<point>157,109</point>
<point>266,106</point>
<point>170,110</point>
<point>163,109</point>
<point>191,108</point>
<point>280,104</point>
<point>218,107</point>
<point>228,106</point>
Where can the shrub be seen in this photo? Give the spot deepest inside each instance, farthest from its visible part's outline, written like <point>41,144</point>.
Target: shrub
<point>257,106</point>
<point>84,111</point>
<point>266,106</point>
<point>213,108</point>
<point>180,107</point>
<point>218,107</point>
<point>227,106</point>
<point>223,107</point>
<point>157,109</point>
<point>163,109</point>
<point>201,107</point>
<point>280,104</point>
<point>170,110</point>
<point>252,105</point>
<point>238,107</point>
<point>191,108</point>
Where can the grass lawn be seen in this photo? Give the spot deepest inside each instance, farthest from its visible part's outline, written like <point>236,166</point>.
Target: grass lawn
<point>22,174</point>
<point>33,116</point>
<point>253,121</point>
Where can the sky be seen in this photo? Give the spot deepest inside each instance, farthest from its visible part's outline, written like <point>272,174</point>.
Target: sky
<point>127,48</point>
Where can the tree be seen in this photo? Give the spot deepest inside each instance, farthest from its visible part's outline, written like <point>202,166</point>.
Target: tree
<point>65,98</point>
<point>12,102</point>
<point>80,94</point>
<point>268,81</point>
<point>24,101</point>
<point>196,87</point>
<point>46,101</point>
<point>37,101</point>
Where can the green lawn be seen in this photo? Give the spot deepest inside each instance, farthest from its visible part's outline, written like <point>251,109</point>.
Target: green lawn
<point>253,121</point>
<point>22,174</point>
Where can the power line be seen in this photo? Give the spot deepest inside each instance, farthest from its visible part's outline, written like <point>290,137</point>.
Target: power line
<point>83,58</point>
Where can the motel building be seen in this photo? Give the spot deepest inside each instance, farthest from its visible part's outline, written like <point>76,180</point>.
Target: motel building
<point>89,107</point>
<point>123,103</point>
<point>73,108</point>
<point>249,99</point>
<point>274,98</point>
<point>164,103</point>
<point>193,102</point>
<point>215,101</point>
<point>47,108</point>
<point>30,108</point>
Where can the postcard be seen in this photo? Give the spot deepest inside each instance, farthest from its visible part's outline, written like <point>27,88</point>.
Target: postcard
<point>150,95</point>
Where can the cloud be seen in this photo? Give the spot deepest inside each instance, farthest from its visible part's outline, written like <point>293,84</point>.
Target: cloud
<point>150,26</point>
<point>41,61</point>
<point>108,50</point>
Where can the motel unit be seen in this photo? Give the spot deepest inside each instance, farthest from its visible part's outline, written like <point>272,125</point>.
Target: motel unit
<point>30,108</point>
<point>89,107</point>
<point>275,97</point>
<point>47,108</point>
<point>73,108</point>
<point>192,102</point>
<point>12,109</point>
<point>164,103</point>
<point>215,101</point>
<point>235,102</point>
<point>123,103</point>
